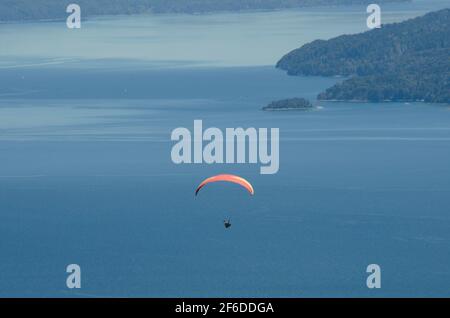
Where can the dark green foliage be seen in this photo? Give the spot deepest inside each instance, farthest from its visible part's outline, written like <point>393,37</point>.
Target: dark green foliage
<point>408,61</point>
<point>291,103</point>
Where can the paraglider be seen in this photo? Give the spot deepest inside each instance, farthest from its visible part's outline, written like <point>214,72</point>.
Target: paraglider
<point>227,178</point>
<point>227,223</point>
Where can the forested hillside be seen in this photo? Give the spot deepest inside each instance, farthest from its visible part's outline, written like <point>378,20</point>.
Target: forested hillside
<point>406,61</point>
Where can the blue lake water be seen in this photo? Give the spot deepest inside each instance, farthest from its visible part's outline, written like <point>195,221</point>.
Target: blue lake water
<point>86,175</point>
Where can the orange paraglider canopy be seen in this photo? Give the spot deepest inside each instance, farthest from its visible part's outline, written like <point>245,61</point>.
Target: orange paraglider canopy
<point>227,178</point>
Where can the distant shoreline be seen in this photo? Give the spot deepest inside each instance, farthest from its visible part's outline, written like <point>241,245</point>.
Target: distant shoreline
<point>202,13</point>
<point>289,6</point>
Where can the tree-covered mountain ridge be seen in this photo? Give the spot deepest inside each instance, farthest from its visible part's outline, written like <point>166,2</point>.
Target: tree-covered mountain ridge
<point>406,61</point>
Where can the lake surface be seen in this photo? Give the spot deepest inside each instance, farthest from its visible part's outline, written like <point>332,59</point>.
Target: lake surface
<point>86,175</point>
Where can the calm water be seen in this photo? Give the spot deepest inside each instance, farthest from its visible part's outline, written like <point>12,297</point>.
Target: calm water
<point>86,175</point>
